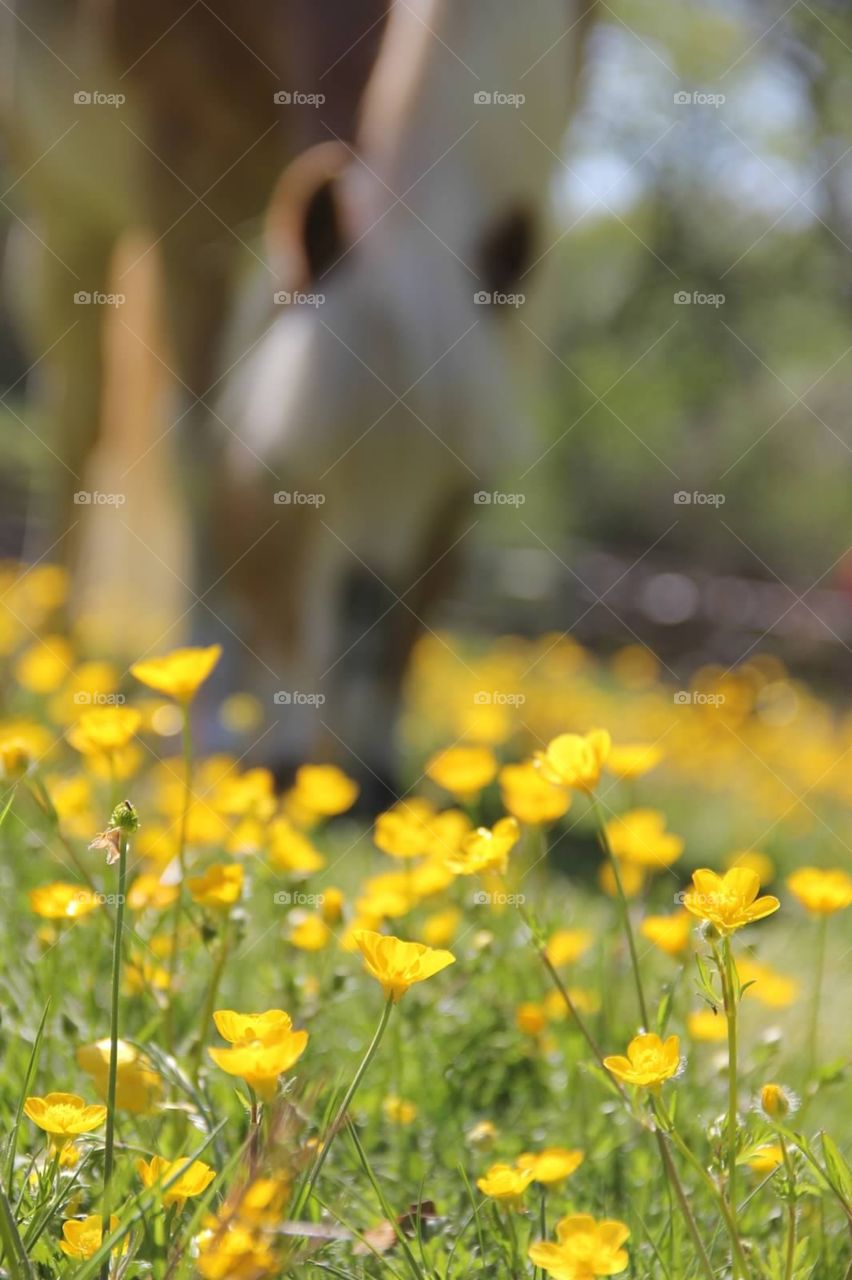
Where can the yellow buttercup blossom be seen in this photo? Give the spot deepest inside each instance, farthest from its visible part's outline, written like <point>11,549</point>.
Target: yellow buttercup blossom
<point>766,1159</point>
<point>44,666</point>
<point>291,850</point>
<point>195,1177</point>
<point>62,901</point>
<point>398,965</point>
<point>765,984</point>
<point>219,887</point>
<point>323,790</point>
<point>531,797</point>
<point>399,1111</point>
<point>486,849</point>
<point>441,927</point>
<point>632,879</point>
<point>530,1018</point>
<point>505,1182</point>
<point>64,1115</point>
<point>149,893</point>
<point>552,1165</point>
<point>704,1024</point>
<point>634,759</point>
<point>137,1084</point>
<point>821,892</point>
<point>649,1062</point>
<point>245,1028</point>
<point>264,1047</point>
<point>730,901</point>
<point>669,933</point>
<point>15,758</point>
<point>233,1251</point>
<point>777,1102</point>
<point>310,933</point>
<point>463,771</point>
<point>82,1237</point>
<point>754,859</point>
<point>104,730</point>
<point>639,836</point>
<point>566,946</point>
<point>401,831</point>
<point>585,1248</point>
<point>178,674</point>
<point>576,760</point>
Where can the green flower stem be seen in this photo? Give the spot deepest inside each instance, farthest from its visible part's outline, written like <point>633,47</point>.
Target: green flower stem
<point>210,1000</point>
<point>819,971</point>
<point>113,1042</point>
<point>624,910</point>
<point>791,1211</point>
<point>730,987</point>
<point>683,1201</point>
<point>337,1122</point>
<point>182,833</point>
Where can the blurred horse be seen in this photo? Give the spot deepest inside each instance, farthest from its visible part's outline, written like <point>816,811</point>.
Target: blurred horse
<point>348,389</point>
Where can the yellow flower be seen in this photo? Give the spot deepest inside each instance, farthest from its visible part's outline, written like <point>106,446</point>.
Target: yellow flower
<point>669,933</point>
<point>399,1111</point>
<point>552,1165</point>
<point>232,1251</point>
<point>331,906</point>
<point>486,849</point>
<point>649,1061</point>
<point>291,850</point>
<point>195,1177</point>
<point>640,837</point>
<point>265,1046</point>
<point>44,666</point>
<point>64,1115</point>
<point>82,1238</point>
<point>585,1249</point>
<point>704,1024</point>
<point>505,1182</point>
<point>441,927</point>
<point>530,1018</point>
<point>777,1102</point>
<point>323,790</point>
<point>632,879</point>
<point>576,760</point>
<point>583,1001</point>
<point>178,674</point>
<point>566,946</point>
<point>398,965</point>
<point>104,730</point>
<point>149,892</point>
<point>219,887</point>
<point>728,901</point>
<point>821,892</point>
<point>756,861</point>
<point>529,796</point>
<point>311,933</point>
<point>62,901</point>
<point>773,989</point>
<point>634,759</point>
<point>137,1084</point>
<point>464,771</point>
<point>766,1159</point>
<point>401,831</point>
<point>15,758</point>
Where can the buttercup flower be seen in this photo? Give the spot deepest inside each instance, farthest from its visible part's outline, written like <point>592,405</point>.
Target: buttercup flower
<point>219,887</point>
<point>576,760</point>
<point>505,1182</point>
<point>531,797</point>
<point>704,1024</point>
<point>486,849</point>
<point>756,861</point>
<point>82,1237</point>
<point>728,901</point>
<point>585,1249</point>
<point>104,730</point>
<point>194,1179</point>
<point>178,674</point>
<point>233,1251</point>
<point>640,837</point>
<point>566,946</point>
<point>765,1159</point>
<point>669,933</point>
<point>777,1102</point>
<point>264,1047</point>
<point>821,892</point>
<point>649,1061</point>
<point>64,1115</point>
<point>633,759</point>
<point>310,933</point>
<point>552,1165</point>
<point>771,988</point>
<point>464,771</point>
<point>137,1084</point>
<point>399,1110</point>
<point>398,965</point>
<point>530,1018</point>
<point>323,790</point>
<point>62,901</point>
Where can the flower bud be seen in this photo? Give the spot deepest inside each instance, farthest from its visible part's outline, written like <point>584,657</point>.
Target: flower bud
<point>15,758</point>
<point>776,1102</point>
<point>125,817</point>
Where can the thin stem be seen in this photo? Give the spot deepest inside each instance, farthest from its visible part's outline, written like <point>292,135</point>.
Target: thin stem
<point>677,1187</point>
<point>624,910</point>
<point>791,1211</point>
<point>113,1043</point>
<point>819,970</point>
<point>210,1001</point>
<point>182,832</point>
<point>729,986</point>
<point>337,1122</point>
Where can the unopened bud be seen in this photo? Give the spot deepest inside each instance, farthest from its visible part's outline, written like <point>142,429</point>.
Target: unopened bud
<point>125,817</point>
